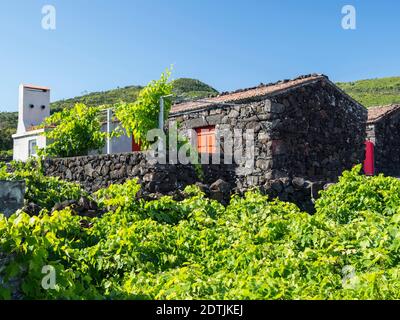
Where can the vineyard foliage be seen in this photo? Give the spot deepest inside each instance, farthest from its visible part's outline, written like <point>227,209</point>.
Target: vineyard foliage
<point>41,190</point>
<point>254,248</point>
<point>139,117</point>
<point>74,132</point>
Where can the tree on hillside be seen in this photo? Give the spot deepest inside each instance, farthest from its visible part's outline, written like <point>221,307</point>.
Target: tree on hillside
<point>8,126</point>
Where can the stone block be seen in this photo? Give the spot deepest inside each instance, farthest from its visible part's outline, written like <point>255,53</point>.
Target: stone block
<point>12,195</point>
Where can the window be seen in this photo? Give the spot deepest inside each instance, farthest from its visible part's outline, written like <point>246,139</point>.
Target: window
<point>32,147</point>
<point>206,139</point>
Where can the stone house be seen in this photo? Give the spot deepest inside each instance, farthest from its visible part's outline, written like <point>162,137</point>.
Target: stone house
<point>305,129</point>
<point>383,130</point>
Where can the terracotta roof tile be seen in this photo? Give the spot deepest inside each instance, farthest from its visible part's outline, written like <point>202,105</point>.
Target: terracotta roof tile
<point>377,113</point>
<point>34,128</point>
<point>244,94</point>
<point>34,87</point>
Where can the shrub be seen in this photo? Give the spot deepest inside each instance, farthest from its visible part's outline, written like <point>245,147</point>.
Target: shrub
<point>356,193</point>
<point>41,190</point>
<point>74,132</point>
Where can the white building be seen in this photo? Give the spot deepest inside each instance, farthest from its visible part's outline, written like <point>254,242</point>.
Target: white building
<point>119,144</point>
<point>33,108</point>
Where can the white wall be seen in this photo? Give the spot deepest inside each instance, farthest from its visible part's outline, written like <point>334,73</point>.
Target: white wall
<point>30,117</point>
<point>21,144</point>
<point>120,144</point>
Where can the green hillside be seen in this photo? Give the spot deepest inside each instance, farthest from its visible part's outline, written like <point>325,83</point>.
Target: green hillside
<point>374,92</point>
<point>185,88</point>
<point>192,89</point>
<point>8,126</point>
<point>129,93</point>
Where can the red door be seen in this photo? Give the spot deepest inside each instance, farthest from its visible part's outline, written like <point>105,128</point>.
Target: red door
<point>369,163</point>
<point>135,146</point>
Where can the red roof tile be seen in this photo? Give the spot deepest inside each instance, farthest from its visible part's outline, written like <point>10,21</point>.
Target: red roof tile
<point>377,113</point>
<point>34,128</point>
<point>34,87</point>
<point>240,95</point>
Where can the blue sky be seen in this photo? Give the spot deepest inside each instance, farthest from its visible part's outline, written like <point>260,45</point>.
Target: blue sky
<point>229,44</point>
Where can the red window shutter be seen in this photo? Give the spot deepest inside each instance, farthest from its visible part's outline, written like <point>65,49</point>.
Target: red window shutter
<point>206,139</point>
<point>369,163</point>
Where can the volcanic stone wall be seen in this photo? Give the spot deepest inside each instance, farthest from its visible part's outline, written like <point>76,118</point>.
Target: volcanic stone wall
<point>217,181</point>
<point>96,172</point>
<point>313,132</point>
<point>322,132</point>
<point>385,134</point>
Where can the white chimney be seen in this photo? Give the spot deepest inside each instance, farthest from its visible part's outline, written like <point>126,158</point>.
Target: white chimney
<point>33,107</point>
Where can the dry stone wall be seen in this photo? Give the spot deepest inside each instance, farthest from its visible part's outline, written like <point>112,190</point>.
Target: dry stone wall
<point>384,133</point>
<point>96,172</point>
<point>217,181</point>
<point>322,132</point>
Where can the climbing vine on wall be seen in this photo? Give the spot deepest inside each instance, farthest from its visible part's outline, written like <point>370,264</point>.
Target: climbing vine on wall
<point>139,117</point>
<point>74,132</point>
